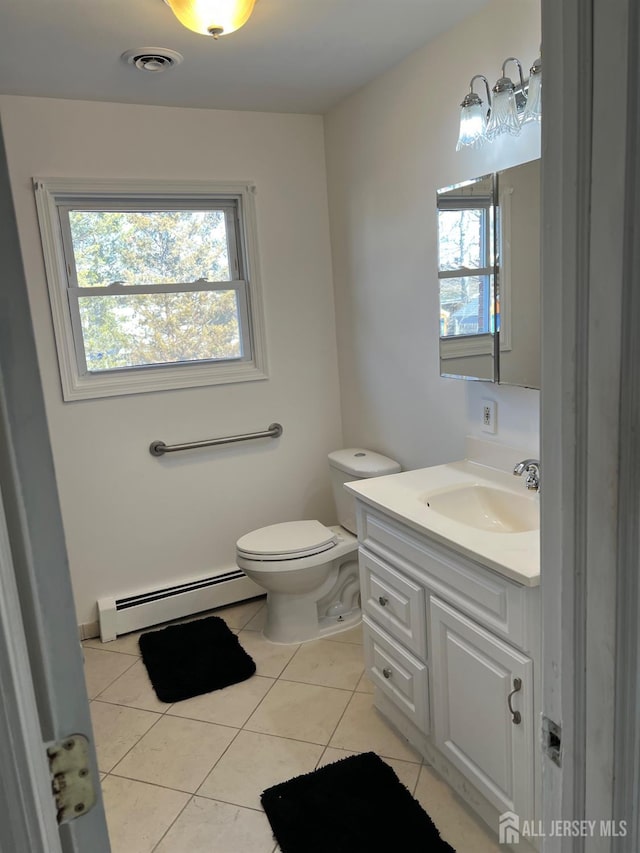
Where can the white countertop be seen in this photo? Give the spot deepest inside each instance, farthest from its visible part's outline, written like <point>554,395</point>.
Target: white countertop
<point>514,555</point>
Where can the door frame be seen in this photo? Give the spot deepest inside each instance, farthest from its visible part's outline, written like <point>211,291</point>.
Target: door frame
<point>589,417</point>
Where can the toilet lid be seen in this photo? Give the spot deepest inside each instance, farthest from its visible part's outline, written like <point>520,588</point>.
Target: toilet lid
<point>287,541</point>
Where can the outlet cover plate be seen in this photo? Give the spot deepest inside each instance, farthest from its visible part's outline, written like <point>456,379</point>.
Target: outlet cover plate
<point>488,415</point>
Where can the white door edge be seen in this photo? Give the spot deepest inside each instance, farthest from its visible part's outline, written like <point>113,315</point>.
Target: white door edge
<point>29,822</point>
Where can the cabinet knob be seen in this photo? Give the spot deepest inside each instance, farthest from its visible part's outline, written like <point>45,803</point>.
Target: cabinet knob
<point>382,601</point>
<point>516,716</point>
<point>387,673</point>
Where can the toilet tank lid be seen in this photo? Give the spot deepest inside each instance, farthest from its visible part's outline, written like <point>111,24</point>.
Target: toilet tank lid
<point>363,463</point>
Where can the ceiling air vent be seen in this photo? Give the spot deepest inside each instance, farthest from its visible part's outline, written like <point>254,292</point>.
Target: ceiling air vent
<point>152,59</point>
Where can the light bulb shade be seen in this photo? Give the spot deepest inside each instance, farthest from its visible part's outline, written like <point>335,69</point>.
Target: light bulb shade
<point>504,114</point>
<point>533,108</point>
<point>473,122</point>
<point>212,17</point>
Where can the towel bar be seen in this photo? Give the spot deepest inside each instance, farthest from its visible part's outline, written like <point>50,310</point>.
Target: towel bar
<point>159,448</point>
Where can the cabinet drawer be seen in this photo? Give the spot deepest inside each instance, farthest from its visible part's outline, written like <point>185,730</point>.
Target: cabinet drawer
<point>401,677</point>
<point>396,602</point>
<point>489,598</point>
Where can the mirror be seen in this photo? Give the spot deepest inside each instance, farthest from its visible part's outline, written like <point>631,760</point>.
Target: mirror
<point>489,277</point>
<point>466,272</point>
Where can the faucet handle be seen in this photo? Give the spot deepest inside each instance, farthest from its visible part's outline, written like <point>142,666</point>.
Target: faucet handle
<point>532,469</point>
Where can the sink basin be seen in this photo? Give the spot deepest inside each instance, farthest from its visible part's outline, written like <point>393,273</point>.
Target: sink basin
<point>486,508</point>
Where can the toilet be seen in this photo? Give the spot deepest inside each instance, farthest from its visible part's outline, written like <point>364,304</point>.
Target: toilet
<point>309,570</point>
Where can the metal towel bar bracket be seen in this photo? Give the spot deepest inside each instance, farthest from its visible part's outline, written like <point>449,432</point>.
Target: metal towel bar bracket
<point>159,448</point>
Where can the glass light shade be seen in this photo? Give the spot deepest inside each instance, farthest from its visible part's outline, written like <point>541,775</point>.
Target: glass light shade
<point>212,17</point>
<point>504,114</point>
<point>533,108</point>
<point>473,122</point>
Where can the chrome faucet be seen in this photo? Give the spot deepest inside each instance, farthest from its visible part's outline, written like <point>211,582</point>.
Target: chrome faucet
<point>530,467</point>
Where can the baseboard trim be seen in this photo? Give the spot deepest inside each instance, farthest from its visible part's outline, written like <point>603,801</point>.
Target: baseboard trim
<point>89,630</point>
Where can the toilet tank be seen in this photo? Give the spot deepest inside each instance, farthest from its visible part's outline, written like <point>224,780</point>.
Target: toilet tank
<point>355,463</point>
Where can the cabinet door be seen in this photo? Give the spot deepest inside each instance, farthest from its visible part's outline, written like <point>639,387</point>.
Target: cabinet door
<point>476,678</point>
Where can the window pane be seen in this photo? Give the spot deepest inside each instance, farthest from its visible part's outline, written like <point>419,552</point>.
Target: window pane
<point>461,238</point>
<point>162,328</point>
<point>466,306</point>
<point>149,246</point>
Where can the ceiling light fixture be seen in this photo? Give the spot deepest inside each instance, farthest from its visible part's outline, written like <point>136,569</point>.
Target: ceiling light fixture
<point>212,17</point>
<point>512,106</point>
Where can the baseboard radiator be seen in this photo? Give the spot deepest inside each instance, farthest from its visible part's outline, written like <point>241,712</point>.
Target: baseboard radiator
<point>131,613</point>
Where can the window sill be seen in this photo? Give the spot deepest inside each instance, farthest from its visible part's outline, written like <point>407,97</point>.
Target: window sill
<point>146,380</point>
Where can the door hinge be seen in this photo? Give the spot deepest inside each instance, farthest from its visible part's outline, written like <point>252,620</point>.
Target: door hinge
<point>71,779</point>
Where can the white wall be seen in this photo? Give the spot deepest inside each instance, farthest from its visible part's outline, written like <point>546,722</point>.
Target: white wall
<point>130,520</point>
<point>390,147</point>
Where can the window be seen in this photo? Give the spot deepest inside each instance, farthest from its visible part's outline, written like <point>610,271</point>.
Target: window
<point>151,286</point>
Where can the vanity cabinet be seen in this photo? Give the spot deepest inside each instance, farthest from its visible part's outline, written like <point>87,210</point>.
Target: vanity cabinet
<point>452,648</point>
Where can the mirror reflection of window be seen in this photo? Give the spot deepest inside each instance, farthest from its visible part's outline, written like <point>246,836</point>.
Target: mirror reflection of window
<point>465,256</point>
<point>461,238</point>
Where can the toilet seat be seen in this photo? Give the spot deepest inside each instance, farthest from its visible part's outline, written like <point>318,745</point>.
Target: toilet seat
<point>291,540</point>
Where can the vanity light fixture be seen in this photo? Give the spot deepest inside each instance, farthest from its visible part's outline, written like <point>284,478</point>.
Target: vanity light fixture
<point>212,17</point>
<point>511,106</point>
<point>533,107</point>
<point>504,112</point>
<point>473,117</point>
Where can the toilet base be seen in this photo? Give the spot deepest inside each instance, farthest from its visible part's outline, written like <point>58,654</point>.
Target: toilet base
<point>336,625</point>
<point>289,621</point>
<point>287,624</point>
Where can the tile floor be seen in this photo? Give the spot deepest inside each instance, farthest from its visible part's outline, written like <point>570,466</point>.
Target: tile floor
<point>188,777</point>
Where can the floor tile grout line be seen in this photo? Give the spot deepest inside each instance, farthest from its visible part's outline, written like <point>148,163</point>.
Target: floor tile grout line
<point>153,784</point>
<point>209,722</point>
<point>216,762</point>
<point>126,705</point>
<point>353,693</point>
<point>153,725</point>
<point>91,699</point>
<point>112,651</point>
<point>195,793</point>
<point>172,824</point>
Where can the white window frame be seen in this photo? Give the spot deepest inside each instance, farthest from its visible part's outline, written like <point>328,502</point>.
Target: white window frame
<point>54,198</point>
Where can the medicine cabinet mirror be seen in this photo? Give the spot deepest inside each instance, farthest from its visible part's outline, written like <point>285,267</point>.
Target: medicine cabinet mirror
<point>489,277</point>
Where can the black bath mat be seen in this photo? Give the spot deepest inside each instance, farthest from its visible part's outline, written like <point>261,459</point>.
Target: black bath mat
<point>356,805</point>
<point>193,658</point>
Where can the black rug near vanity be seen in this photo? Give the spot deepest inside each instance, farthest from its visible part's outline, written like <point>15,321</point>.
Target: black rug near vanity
<point>194,658</point>
<point>355,805</point>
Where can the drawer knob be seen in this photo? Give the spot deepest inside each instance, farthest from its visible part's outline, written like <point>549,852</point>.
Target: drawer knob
<point>387,673</point>
<point>382,601</point>
<point>516,716</point>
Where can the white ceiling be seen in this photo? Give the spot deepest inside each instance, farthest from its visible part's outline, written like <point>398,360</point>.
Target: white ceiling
<point>292,55</point>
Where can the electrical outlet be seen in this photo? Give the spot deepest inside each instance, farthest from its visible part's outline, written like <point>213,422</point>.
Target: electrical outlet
<point>488,415</point>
